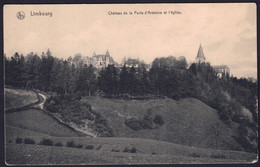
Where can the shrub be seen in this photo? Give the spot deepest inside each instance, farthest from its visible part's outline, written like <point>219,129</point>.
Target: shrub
<point>134,124</point>
<point>90,147</point>
<point>79,146</point>
<point>126,149</point>
<point>70,143</point>
<point>59,144</point>
<point>29,141</point>
<point>46,142</point>
<point>10,141</point>
<point>19,140</point>
<point>133,150</point>
<point>98,147</point>
<point>158,120</point>
<point>115,150</point>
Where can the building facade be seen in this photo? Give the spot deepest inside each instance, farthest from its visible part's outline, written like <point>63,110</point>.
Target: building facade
<point>99,60</point>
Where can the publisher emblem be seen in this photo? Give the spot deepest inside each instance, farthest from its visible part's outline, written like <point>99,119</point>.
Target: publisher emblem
<point>20,15</point>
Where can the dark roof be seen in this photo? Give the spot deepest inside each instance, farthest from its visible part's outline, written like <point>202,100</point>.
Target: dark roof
<point>200,53</point>
<point>132,61</point>
<point>220,67</point>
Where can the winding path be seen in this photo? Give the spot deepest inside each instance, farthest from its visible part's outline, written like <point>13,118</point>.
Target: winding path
<point>42,100</point>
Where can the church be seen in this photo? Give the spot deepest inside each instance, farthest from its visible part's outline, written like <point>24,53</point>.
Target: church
<point>219,69</point>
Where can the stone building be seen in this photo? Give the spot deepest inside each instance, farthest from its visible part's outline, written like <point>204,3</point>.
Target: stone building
<point>99,60</point>
<point>219,69</point>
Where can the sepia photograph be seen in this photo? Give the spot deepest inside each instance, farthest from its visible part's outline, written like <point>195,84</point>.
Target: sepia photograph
<point>120,84</point>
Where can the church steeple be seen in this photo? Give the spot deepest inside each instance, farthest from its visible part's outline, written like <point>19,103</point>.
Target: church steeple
<point>200,56</point>
<point>107,53</point>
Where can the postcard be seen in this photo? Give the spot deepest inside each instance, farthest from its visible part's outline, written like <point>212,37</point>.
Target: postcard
<point>102,84</point>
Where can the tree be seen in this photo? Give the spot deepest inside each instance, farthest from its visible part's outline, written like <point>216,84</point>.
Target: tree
<point>132,82</point>
<point>33,64</point>
<point>108,81</point>
<point>124,81</point>
<point>46,70</point>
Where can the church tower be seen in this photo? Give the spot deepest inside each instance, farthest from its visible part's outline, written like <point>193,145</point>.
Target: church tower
<point>200,56</point>
<point>107,58</point>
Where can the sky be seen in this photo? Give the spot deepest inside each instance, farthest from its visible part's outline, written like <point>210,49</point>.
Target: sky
<point>226,31</point>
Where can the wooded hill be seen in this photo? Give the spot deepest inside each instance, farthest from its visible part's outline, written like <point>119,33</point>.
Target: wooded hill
<point>233,98</point>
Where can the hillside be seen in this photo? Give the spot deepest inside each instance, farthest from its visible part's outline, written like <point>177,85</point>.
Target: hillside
<point>38,121</point>
<point>15,98</point>
<point>36,125</point>
<point>188,121</point>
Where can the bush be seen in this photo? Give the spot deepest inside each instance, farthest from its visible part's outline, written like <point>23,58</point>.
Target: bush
<point>19,140</point>
<point>29,141</point>
<point>10,141</point>
<point>133,124</point>
<point>98,147</point>
<point>90,147</point>
<point>133,150</point>
<point>115,150</point>
<point>59,144</point>
<point>70,143</point>
<point>126,149</point>
<point>158,120</point>
<point>46,142</point>
<point>79,146</point>
<point>142,123</point>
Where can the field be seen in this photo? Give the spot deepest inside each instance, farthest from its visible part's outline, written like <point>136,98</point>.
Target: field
<point>15,98</point>
<point>35,125</point>
<point>35,154</point>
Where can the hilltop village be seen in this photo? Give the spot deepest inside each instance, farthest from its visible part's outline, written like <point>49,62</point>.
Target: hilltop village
<point>100,61</point>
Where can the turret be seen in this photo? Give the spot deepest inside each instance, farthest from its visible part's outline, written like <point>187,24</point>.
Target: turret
<point>107,53</point>
<point>200,56</point>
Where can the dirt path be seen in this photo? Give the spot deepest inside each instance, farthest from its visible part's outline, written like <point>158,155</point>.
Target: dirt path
<point>42,100</point>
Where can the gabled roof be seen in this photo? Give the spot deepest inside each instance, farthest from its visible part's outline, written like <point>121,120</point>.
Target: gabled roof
<point>200,53</point>
<point>220,67</point>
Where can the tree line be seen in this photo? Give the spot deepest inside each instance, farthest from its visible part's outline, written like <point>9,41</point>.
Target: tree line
<point>168,77</point>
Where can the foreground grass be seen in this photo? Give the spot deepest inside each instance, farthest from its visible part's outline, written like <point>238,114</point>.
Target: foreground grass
<point>15,98</point>
<point>143,147</point>
<point>36,154</point>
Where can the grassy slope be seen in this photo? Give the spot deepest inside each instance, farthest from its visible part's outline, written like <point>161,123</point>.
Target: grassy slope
<point>35,124</point>
<point>187,122</point>
<point>38,121</point>
<point>15,98</point>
